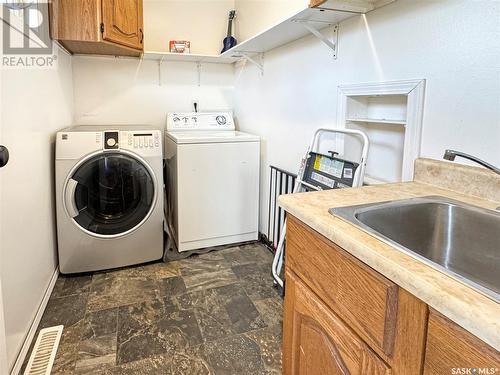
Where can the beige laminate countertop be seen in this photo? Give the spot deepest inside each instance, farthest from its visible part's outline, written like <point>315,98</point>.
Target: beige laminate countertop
<point>470,309</point>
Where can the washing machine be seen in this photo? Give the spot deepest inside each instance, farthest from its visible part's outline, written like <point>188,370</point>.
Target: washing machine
<point>212,181</point>
<point>109,200</point>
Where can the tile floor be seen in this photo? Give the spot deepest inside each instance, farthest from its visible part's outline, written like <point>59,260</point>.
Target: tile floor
<point>216,313</point>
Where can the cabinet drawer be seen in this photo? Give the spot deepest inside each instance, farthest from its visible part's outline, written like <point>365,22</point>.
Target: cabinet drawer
<point>450,346</point>
<point>363,298</point>
<point>319,342</point>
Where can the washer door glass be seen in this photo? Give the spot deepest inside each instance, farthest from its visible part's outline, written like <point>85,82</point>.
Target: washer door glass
<point>112,194</point>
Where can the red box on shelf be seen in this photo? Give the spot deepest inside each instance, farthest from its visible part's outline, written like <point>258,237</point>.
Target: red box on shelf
<point>180,46</point>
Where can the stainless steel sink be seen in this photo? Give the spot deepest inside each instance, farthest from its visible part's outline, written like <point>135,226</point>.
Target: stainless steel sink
<point>454,237</point>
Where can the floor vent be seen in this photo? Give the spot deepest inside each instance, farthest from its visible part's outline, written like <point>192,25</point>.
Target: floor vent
<point>44,351</point>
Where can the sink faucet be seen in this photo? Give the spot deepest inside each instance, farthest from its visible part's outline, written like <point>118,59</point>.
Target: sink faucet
<point>451,154</point>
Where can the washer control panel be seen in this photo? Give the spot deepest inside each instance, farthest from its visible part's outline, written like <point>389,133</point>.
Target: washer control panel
<point>143,140</point>
<point>74,142</point>
<point>200,121</point>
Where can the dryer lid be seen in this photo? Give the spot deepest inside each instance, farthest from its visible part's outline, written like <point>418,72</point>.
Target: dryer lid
<point>223,136</point>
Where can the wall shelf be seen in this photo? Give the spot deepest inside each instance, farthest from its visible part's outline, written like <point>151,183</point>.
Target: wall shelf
<point>189,57</point>
<point>281,33</point>
<point>378,121</point>
<point>289,30</point>
<point>277,35</point>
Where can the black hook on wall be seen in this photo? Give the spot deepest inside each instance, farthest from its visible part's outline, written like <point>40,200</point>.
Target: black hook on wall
<point>4,156</point>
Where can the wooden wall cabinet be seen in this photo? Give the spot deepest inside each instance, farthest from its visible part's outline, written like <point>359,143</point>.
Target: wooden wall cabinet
<point>103,27</point>
<point>342,317</point>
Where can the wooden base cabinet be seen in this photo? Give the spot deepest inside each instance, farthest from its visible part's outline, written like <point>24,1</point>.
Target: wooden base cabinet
<point>366,320</point>
<point>102,27</point>
<point>318,342</point>
<point>343,317</point>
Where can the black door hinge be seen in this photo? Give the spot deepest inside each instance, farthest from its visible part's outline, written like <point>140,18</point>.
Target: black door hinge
<point>102,27</point>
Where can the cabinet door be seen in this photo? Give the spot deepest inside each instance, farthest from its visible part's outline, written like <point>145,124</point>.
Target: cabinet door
<point>122,21</point>
<point>449,347</point>
<point>316,341</point>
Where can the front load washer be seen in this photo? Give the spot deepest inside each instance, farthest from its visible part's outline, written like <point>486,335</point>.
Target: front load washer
<point>109,200</point>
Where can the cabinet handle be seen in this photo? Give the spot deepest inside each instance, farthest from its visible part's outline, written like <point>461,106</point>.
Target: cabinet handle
<point>142,36</point>
<point>4,156</point>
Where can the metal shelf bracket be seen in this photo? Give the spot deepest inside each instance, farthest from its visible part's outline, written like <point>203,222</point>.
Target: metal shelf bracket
<point>198,69</point>
<point>159,71</point>
<point>259,64</point>
<point>332,44</point>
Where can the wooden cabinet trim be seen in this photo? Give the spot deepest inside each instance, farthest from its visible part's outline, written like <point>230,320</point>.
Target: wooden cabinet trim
<point>391,311</point>
<point>288,327</point>
<point>99,48</point>
<point>410,335</point>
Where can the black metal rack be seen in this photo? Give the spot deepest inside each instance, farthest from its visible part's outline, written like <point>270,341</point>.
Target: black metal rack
<point>280,182</point>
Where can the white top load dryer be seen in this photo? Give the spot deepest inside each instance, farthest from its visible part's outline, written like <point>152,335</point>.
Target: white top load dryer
<point>212,181</point>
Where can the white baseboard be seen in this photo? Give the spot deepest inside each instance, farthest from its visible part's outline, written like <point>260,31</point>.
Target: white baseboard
<point>34,325</point>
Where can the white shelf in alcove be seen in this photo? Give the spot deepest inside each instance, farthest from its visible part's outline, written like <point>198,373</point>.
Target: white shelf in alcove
<point>378,121</point>
<point>413,90</point>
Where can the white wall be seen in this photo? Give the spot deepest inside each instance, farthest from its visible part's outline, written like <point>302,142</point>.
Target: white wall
<point>202,22</point>
<point>3,340</point>
<point>35,104</point>
<point>130,91</point>
<point>454,44</point>
<point>254,16</point>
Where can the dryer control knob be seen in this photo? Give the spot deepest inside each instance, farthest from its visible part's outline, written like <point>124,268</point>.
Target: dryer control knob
<point>111,142</point>
<point>221,120</point>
